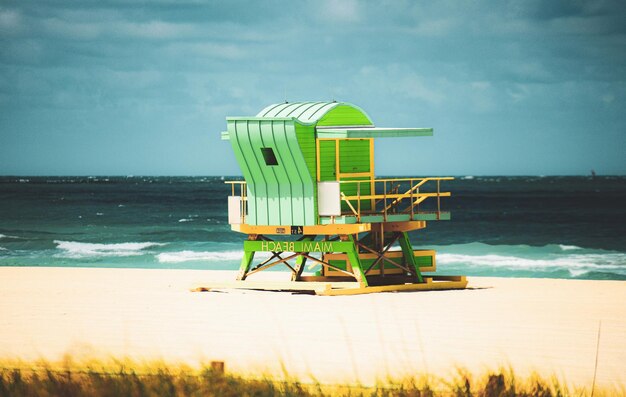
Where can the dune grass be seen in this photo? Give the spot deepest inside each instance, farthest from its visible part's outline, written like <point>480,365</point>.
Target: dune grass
<point>126,378</point>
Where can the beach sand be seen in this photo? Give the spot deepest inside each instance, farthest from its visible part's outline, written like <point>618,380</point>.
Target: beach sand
<point>543,325</point>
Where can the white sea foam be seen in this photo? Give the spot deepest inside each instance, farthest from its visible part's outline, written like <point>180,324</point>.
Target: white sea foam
<point>3,249</point>
<point>569,247</point>
<point>577,272</point>
<point>613,262</point>
<point>185,220</point>
<point>7,237</point>
<point>74,249</point>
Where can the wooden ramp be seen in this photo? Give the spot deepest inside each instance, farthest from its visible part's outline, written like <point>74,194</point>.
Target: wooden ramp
<point>331,288</point>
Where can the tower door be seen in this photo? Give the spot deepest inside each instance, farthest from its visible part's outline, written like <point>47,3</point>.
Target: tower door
<point>348,160</point>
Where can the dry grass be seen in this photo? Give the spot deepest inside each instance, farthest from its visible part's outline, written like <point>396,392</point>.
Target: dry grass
<point>127,378</point>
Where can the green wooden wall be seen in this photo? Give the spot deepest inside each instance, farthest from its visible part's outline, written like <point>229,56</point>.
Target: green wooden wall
<point>354,157</point>
<point>306,141</point>
<point>344,115</point>
<point>282,194</point>
<point>327,161</point>
<point>286,193</point>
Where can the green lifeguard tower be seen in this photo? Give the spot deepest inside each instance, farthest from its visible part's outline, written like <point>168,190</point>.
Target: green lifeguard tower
<point>310,199</point>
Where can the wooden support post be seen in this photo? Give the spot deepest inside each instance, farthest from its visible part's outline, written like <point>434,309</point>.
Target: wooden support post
<point>301,261</point>
<point>246,261</point>
<point>248,256</point>
<point>355,262</point>
<point>407,251</point>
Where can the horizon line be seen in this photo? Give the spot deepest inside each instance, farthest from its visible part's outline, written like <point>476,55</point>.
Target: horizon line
<point>238,175</point>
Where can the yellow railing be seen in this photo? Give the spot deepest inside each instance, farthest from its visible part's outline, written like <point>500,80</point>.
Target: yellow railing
<point>385,196</point>
<point>393,195</point>
<point>242,188</point>
<point>243,193</point>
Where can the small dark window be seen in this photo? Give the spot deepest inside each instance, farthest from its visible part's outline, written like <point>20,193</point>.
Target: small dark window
<point>269,156</point>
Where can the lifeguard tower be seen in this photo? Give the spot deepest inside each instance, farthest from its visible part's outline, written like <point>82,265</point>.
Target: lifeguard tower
<point>310,199</point>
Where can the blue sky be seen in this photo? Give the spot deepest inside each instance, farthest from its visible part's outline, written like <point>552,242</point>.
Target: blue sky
<point>143,88</point>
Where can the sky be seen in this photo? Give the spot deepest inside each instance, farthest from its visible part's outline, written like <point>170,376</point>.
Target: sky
<point>143,87</point>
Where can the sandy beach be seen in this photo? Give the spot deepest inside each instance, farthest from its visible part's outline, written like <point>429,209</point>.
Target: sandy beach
<point>544,325</point>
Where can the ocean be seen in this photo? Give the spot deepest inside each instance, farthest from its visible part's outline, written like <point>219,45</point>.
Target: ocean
<point>548,227</point>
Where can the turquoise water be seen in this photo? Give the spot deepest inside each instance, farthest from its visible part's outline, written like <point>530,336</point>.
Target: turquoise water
<point>560,227</point>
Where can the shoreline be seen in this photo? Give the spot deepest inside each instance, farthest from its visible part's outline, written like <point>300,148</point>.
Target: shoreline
<point>548,326</point>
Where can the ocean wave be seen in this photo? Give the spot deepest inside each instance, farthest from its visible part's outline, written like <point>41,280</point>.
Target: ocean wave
<point>75,249</point>
<point>3,249</point>
<point>578,272</point>
<point>185,220</point>
<point>521,250</point>
<point>577,263</point>
<point>4,236</point>
<point>569,247</point>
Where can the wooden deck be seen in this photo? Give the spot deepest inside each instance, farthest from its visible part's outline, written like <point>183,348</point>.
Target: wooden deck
<point>332,288</point>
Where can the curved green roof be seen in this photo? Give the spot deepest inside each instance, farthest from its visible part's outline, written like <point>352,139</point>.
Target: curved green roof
<point>320,113</point>
<point>331,120</point>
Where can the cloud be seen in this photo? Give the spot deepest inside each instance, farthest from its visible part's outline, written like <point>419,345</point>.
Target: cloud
<point>464,66</point>
<point>556,9</point>
<point>530,71</point>
<point>207,49</point>
<point>589,25</point>
<point>154,29</point>
<point>10,21</point>
<point>22,52</point>
<point>340,10</point>
<point>73,30</point>
<point>517,92</point>
<point>435,27</point>
<point>481,96</point>
<point>400,80</point>
<point>608,98</point>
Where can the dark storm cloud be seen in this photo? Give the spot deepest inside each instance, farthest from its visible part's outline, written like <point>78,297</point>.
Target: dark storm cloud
<point>494,78</point>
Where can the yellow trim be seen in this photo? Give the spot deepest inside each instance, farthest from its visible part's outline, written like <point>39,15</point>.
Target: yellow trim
<point>350,205</point>
<point>272,285</point>
<point>338,172</point>
<point>372,184</point>
<point>400,226</point>
<point>390,196</point>
<point>424,180</point>
<point>354,174</point>
<point>344,139</point>
<point>335,288</point>
<point>412,193</point>
<point>337,159</point>
<point>317,157</point>
<point>343,257</point>
<point>352,228</point>
<point>430,284</point>
<point>390,254</point>
<point>371,156</point>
